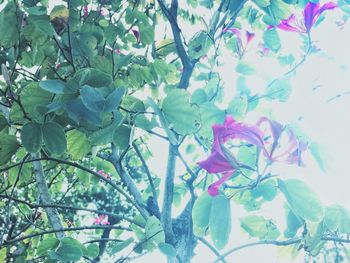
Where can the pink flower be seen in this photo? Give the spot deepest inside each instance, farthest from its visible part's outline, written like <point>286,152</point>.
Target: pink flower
<point>266,135</point>
<point>242,43</point>
<point>85,11</point>
<point>281,143</point>
<point>220,161</point>
<point>103,11</point>
<point>263,50</point>
<point>101,220</point>
<point>311,13</point>
<point>105,175</point>
<point>136,34</point>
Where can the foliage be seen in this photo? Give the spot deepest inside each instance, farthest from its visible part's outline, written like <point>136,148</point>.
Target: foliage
<point>88,85</point>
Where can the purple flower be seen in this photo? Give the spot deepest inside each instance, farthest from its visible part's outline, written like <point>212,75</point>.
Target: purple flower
<point>266,135</point>
<point>281,144</point>
<point>101,220</point>
<point>136,35</point>
<point>85,11</point>
<point>220,161</point>
<point>242,43</point>
<point>311,13</point>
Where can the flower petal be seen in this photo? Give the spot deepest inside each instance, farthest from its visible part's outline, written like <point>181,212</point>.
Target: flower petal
<point>213,189</point>
<point>274,130</point>
<point>326,6</point>
<point>310,12</point>
<point>249,36</point>
<point>233,31</point>
<point>216,163</point>
<point>286,25</point>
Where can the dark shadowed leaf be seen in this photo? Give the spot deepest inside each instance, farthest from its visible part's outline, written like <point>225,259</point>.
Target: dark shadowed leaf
<point>54,138</point>
<point>53,86</point>
<point>32,137</point>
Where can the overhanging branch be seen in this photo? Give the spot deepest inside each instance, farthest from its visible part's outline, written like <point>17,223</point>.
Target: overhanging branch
<point>45,199</point>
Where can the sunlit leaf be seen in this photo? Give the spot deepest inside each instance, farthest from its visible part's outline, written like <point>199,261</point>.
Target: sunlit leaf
<point>220,221</point>
<point>302,200</point>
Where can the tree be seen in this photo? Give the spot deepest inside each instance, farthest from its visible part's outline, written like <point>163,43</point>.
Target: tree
<point>87,86</point>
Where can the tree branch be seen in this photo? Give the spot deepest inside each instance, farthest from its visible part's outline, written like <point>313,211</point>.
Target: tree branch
<point>45,199</point>
<point>76,165</point>
<point>278,243</point>
<point>75,208</point>
<point>116,161</point>
<point>168,195</point>
<point>148,173</point>
<point>212,248</point>
<point>70,229</point>
<point>187,63</point>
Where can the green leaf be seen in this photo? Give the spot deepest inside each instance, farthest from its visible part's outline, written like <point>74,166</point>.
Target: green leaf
<point>181,115</point>
<point>32,137</point>
<point>199,45</point>
<point>69,252</point>
<point>160,67</point>
<point>280,9</point>
<point>146,34</point>
<point>47,244</point>
<point>121,137</point>
<point>201,213</point>
<point>9,25</point>
<point>286,60</point>
<point>272,40</point>
<point>293,224</point>
<point>319,155</point>
<point>262,3</point>
<point>3,122</point>
<point>302,200</point>
<point>25,175</point>
<point>88,76</point>
<point>78,112</point>
<point>8,147</point>
<point>154,234</point>
<point>220,221</point>
<point>78,144</point>
<point>258,226</point>
<point>267,190</point>
<point>244,68</point>
<point>238,107</point>
<point>279,90</point>
<point>33,97</point>
<point>313,239</point>
<point>54,138</point>
<point>120,246</point>
<point>53,86</point>
<point>3,254</point>
<point>209,115</point>
<point>167,249</point>
<point>206,3</point>
<point>199,96</point>
<point>105,135</point>
<point>165,47</point>
<point>163,121</point>
<point>337,218</point>
<point>92,251</point>
<point>94,100</point>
